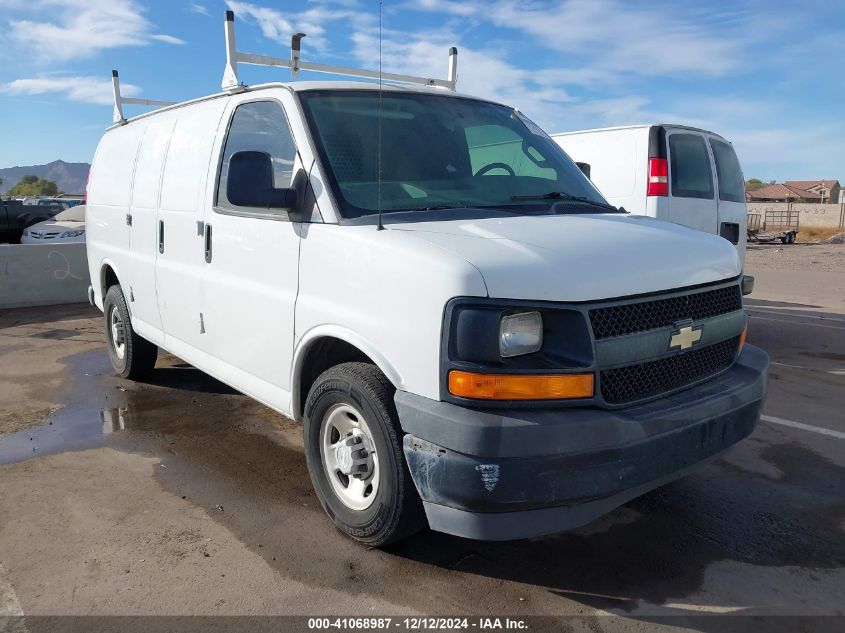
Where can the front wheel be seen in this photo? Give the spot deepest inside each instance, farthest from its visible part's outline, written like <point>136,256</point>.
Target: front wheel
<point>353,448</point>
<point>131,356</point>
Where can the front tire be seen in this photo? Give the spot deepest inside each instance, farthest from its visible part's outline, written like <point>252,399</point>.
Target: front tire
<point>353,449</point>
<point>131,356</point>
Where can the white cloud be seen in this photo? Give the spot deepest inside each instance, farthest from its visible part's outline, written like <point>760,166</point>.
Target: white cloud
<point>279,26</point>
<point>446,7</point>
<point>85,89</point>
<point>168,39</point>
<point>624,36</point>
<point>81,28</point>
<point>612,36</point>
<point>196,7</point>
<point>271,22</point>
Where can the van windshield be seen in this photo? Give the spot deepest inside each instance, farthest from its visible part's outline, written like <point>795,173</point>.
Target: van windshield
<point>439,153</point>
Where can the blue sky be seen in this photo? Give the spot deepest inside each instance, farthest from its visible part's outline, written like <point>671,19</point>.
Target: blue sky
<point>767,75</point>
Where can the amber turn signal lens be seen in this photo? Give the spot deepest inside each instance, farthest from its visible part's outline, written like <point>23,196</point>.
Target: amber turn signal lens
<point>466,384</point>
<point>742,338</point>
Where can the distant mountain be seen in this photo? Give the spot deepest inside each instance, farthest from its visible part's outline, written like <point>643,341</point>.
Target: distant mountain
<point>69,176</point>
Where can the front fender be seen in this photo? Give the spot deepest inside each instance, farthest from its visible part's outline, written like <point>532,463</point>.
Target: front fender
<point>300,353</point>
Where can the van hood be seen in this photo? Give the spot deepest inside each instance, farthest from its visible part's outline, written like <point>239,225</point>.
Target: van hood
<point>581,257</point>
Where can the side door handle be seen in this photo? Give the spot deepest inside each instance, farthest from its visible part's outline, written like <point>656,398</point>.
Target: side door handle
<point>208,243</point>
<point>161,236</point>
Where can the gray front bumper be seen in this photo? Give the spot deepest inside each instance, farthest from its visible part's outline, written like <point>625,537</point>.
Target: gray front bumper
<point>505,474</point>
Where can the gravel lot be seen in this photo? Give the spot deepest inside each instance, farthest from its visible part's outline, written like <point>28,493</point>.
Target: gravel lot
<point>813,257</point>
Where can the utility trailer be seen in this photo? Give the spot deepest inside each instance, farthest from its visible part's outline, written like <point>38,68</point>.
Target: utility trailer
<point>772,226</point>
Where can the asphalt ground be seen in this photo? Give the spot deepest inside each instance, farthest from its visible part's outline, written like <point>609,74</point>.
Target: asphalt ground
<point>180,496</point>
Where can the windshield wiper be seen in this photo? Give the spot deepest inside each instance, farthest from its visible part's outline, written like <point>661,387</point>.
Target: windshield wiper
<point>436,207</point>
<point>562,195</point>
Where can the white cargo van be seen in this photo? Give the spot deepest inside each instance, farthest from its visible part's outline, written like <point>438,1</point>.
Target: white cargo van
<point>473,339</point>
<point>670,172</point>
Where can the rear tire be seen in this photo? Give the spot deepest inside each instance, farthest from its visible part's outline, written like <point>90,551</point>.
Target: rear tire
<point>353,448</point>
<point>131,356</point>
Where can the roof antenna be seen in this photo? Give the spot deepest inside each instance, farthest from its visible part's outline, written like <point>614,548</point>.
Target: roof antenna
<point>380,225</point>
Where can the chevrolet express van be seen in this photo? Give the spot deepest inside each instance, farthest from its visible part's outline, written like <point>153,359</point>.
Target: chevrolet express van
<point>671,172</point>
<point>473,338</point>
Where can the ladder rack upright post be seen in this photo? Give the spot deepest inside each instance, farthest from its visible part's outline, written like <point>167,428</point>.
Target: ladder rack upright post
<point>120,101</point>
<point>230,81</point>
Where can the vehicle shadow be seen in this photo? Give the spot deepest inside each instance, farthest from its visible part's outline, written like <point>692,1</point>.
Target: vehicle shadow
<point>187,378</point>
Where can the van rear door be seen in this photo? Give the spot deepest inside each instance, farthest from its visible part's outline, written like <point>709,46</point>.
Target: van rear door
<point>143,228</point>
<point>109,190</point>
<point>731,199</point>
<point>692,194</point>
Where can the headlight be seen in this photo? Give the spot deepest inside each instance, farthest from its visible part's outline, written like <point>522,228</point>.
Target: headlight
<point>26,232</point>
<point>74,233</point>
<point>520,333</point>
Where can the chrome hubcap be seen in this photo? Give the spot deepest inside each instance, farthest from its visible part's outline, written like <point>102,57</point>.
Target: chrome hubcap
<point>118,339</point>
<point>349,456</point>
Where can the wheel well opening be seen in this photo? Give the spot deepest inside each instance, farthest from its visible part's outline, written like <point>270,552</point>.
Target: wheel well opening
<point>320,356</point>
<point>109,279</point>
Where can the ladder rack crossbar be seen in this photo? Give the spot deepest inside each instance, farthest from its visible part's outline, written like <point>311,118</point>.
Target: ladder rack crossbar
<point>146,102</point>
<point>264,60</point>
<point>120,101</point>
<point>231,83</point>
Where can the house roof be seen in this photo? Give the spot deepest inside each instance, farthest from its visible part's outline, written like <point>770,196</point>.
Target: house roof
<point>806,184</point>
<point>782,192</point>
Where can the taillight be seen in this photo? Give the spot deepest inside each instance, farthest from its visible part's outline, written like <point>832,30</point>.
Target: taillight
<point>658,177</point>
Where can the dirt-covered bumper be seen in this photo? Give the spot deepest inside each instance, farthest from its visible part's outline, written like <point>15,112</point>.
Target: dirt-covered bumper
<point>507,474</point>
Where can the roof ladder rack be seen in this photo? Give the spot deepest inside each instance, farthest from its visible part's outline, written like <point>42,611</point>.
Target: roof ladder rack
<point>120,101</point>
<point>233,58</point>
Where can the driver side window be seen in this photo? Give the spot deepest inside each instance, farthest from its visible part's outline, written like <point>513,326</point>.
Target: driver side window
<point>259,126</point>
<point>498,150</point>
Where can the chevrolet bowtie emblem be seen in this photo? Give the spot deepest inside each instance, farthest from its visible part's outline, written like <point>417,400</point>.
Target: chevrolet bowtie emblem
<point>685,337</point>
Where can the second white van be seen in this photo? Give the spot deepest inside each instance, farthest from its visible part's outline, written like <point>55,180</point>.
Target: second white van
<point>677,173</point>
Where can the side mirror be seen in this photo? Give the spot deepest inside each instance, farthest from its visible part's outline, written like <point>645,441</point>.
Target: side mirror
<point>249,183</point>
<point>585,168</point>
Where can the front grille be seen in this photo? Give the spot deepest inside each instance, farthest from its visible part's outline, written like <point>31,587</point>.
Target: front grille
<point>627,318</point>
<point>638,382</point>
